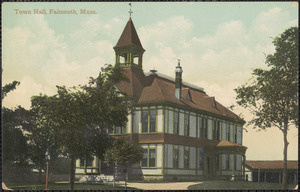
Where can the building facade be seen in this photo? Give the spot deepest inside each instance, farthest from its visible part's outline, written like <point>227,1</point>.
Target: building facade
<point>184,133</point>
<point>271,171</point>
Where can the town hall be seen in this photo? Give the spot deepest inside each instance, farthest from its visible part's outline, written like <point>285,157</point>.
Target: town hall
<point>184,133</point>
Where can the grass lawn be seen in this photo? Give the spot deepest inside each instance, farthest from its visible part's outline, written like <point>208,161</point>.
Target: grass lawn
<point>63,186</point>
<point>236,185</point>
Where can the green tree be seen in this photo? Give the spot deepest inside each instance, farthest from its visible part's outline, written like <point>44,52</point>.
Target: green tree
<point>123,152</point>
<point>41,138</point>
<point>272,96</point>
<point>14,143</point>
<point>8,87</point>
<point>79,116</point>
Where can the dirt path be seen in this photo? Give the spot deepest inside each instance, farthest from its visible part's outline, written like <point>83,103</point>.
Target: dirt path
<point>162,186</point>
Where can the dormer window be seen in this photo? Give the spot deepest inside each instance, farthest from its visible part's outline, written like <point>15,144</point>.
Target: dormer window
<point>189,96</point>
<point>214,105</point>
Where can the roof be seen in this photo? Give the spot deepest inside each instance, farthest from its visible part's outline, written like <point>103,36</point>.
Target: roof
<point>154,88</point>
<point>129,36</point>
<point>225,143</point>
<point>271,164</point>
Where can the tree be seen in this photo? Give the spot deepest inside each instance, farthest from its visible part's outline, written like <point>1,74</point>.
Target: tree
<point>123,152</point>
<point>272,96</point>
<point>79,116</point>
<point>8,87</point>
<point>40,140</point>
<point>14,142</point>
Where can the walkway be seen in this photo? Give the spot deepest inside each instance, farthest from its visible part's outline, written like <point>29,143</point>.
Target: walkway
<point>161,186</point>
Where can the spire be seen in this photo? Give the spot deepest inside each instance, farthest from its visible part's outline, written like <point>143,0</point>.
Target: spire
<point>129,36</point>
<point>130,11</point>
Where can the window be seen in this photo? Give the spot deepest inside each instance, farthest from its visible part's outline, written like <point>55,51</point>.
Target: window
<point>175,157</point>
<point>149,158</point>
<point>149,121</point>
<point>228,132</point>
<point>145,158</point>
<point>235,134</point>
<point>186,125</point>
<point>89,162</point>
<point>200,128</point>
<point>152,157</point>
<point>216,130</point>
<point>176,122</point>
<point>235,161</point>
<point>201,158</point>
<point>145,121</point>
<point>117,129</point>
<point>189,96</point>
<point>204,127</point>
<point>186,158</point>
<point>152,120</point>
<point>86,162</point>
<point>82,162</point>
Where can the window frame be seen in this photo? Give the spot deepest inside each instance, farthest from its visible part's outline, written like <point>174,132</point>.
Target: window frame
<point>176,118</point>
<point>201,158</point>
<point>148,158</point>
<point>186,124</point>
<point>205,127</point>
<point>175,157</point>
<point>186,158</point>
<point>148,122</point>
<point>227,131</point>
<point>112,130</point>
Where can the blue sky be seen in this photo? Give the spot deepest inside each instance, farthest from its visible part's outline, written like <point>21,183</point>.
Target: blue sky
<point>218,43</point>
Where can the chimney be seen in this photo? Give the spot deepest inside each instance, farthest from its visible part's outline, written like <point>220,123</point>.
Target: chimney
<point>178,80</point>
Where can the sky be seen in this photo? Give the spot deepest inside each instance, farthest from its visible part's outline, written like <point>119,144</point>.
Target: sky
<point>218,43</point>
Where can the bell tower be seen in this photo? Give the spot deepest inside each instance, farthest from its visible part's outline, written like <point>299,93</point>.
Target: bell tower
<point>129,50</point>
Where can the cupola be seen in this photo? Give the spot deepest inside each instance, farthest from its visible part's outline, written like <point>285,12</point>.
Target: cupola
<point>129,50</point>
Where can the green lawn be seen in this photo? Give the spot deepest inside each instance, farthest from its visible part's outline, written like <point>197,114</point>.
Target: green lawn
<point>236,185</point>
<point>63,186</point>
<point>205,185</point>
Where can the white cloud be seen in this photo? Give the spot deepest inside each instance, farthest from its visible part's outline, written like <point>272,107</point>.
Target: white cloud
<point>270,23</point>
<point>22,94</point>
<point>34,49</point>
<point>169,32</point>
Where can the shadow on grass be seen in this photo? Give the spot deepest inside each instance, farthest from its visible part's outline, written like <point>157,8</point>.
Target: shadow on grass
<point>65,186</point>
<point>236,185</point>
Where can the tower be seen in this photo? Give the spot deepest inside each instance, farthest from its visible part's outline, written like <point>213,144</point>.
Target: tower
<point>129,50</point>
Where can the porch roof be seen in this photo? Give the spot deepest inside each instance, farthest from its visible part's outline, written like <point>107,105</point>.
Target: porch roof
<point>271,164</point>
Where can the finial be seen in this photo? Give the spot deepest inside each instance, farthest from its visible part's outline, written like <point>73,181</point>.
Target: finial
<point>178,62</point>
<point>130,11</point>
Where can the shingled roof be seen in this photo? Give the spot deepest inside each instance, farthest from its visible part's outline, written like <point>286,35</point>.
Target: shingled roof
<point>129,36</point>
<point>271,164</point>
<point>154,88</point>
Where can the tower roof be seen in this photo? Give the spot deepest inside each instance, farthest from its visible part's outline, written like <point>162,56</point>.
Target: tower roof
<point>129,36</point>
